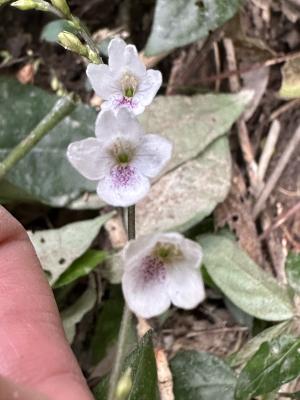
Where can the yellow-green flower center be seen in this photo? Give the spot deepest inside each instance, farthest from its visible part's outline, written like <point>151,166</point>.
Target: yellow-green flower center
<point>167,252</point>
<point>129,85</point>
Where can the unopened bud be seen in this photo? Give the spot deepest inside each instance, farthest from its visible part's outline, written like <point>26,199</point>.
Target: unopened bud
<point>71,42</point>
<point>124,385</point>
<point>31,5</point>
<point>62,6</point>
<point>93,56</point>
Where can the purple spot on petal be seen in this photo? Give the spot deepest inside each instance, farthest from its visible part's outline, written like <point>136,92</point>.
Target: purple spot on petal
<point>123,175</point>
<point>153,269</point>
<point>125,102</point>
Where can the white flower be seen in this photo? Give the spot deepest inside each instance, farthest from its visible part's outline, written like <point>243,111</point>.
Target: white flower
<point>161,269</point>
<point>124,82</point>
<point>121,157</point>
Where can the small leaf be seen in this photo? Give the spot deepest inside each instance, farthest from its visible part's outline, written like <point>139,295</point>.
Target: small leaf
<point>251,347</point>
<point>81,267</point>
<point>57,249</point>
<point>180,22</point>
<point>52,29</point>
<point>243,282</point>
<point>292,268</point>
<point>107,325</point>
<point>275,363</point>
<point>144,375</point>
<point>201,376</point>
<point>74,314</point>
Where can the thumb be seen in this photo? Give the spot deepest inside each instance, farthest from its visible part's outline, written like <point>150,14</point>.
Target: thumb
<point>33,350</point>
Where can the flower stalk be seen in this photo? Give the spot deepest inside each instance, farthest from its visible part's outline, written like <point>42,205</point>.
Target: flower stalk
<point>61,109</point>
<point>125,323</point>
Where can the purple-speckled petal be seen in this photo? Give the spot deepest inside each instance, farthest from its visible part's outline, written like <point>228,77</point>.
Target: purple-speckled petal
<point>123,187</point>
<point>144,288</point>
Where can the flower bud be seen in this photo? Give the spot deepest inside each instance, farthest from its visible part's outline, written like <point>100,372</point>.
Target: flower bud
<point>71,42</point>
<point>124,385</point>
<point>31,5</point>
<point>62,6</point>
<point>93,56</point>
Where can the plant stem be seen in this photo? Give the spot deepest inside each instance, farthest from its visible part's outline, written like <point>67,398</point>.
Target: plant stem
<point>125,323</point>
<point>61,109</point>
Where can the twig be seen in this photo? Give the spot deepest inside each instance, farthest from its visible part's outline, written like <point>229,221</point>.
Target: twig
<point>268,149</point>
<point>61,109</point>
<point>243,134</point>
<point>253,67</point>
<point>284,159</point>
<point>281,220</point>
<point>285,107</point>
<point>164,375</point>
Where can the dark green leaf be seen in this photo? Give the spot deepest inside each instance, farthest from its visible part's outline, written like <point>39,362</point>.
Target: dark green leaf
<point>201,376</point>
<point>143,373</point>
<point>81,267</point>
<point>180,22</point>
<point>251,347</point>
<point>52,29</point>
<point>244,282</point>
<point>44,174</point>
<point>107,325</point>
<point>274,364</point>
<point>292,267</point>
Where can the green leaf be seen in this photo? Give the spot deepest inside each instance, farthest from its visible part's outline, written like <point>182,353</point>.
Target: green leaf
<point>243,282</point>
<point>251,347</point>
<point>44,174</point>
<point>186,195</point>
<point>107,325</point>
<point>275,363</point>
<point>81,267</point>
<point>57,249</point>
<point>201,376</point>
<point>52,29</point>
<point>292,268</point>
<point>74,314</point>
<point>180,22</point>
<point>144,375</point>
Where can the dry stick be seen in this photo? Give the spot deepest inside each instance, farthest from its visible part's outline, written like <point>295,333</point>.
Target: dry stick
<point>243,134</point>
<point>268,149</point>
<point>284,159</point>
<point>281,220</point>
<point>285,107</point>
<point>61,109</point>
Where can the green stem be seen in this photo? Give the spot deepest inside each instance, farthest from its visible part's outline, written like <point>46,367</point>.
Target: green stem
<point>125,324</point>
<point>61,109</point>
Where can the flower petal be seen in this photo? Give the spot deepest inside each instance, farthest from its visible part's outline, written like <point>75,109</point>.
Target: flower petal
<point>135,250</point>
<point>152,155</point>
<point>148,87</point>
<point>123,187</point>
<point>103,81</point>
<point>192,252</point>
<point>133,63</point>
<point>145,299</point>
<point>88,157</point>
<point>122,123</point>
<point>184,285</point>
<point>116,49</point>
